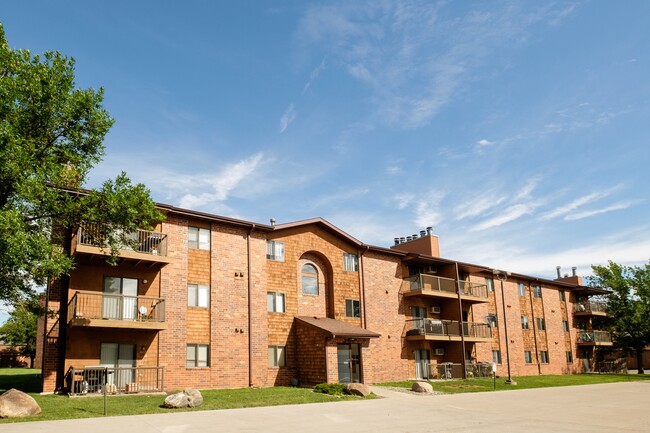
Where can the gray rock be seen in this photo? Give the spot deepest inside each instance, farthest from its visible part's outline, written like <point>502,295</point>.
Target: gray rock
<point>14,404</point>
<point>422,387</point>
<point>360,389</point>
<point>185,398</point>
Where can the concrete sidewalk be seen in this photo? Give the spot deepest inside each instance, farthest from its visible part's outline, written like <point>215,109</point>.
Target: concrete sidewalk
<point>593,408</point>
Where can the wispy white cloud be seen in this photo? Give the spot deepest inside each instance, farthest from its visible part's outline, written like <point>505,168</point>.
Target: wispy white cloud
<point>509,214</point>
<point>525,192</point>
<point>484,143</point>
<point>218,187</point>
<point>575,204</point>
<point>403,200</point>
<point>478,206</point>
<point>590,213</point>
<point>287,118</point>
<point>314,75</point>
<point>428,209</point>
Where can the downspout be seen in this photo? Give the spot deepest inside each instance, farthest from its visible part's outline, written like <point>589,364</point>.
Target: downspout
<point>250,306</point>
<point>462,329</point>
<point>532,313</point>
<point>362,286</point>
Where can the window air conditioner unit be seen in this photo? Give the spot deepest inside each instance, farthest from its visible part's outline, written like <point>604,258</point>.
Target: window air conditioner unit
<point>439,351</point>
<point>434,310</point>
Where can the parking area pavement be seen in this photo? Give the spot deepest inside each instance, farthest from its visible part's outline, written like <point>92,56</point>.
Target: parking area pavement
<point>615,407</point>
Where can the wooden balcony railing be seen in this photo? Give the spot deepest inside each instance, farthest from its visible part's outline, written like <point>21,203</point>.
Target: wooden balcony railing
<point>141,241</point>
<point>86,308</point>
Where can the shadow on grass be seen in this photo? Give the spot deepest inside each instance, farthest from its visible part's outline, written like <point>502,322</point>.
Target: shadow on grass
<point>23,379</point>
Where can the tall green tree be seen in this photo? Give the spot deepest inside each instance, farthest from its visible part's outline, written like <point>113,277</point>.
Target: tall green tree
<point>51,135</point>
<point>20,329</point>
<point>628,305</point>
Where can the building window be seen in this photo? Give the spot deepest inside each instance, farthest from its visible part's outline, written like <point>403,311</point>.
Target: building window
<point>275,251</point>
<point>350,262</point>
<point>198,295</point>
<point>528,357</point>
<point>491,320</point>
<point>565,325</point>
<point>522,289</point>
<point>352,308</point>
<point>543,355</point>
<point>309,277</point>
<point>275,302</point>
<point>489,283</point>
<point>537,291</point>
<point>541,324</point>
<point>562,296</point>
<point>524,322</point>
<point>198,238</point>
<point>277,356</point>
<point>496,356</point>
<point>198,355</point>
<point>569,357</point>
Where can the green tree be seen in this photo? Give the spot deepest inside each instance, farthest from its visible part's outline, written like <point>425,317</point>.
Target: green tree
<point>628,305</point>
<point>20,329</point>
<point>51,135</point>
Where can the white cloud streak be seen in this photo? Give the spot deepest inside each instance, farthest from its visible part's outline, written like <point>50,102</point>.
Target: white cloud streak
<point>510,214</point>
<point>590,213</point>
<point>287,118</point>
<point>313,76</point>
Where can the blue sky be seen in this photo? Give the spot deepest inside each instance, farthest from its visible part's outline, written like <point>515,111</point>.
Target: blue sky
<point>518,130</point>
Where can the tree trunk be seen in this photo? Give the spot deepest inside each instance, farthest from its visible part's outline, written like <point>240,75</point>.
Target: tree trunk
<point>639,359</point>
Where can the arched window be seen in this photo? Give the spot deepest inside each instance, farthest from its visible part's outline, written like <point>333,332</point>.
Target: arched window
<point>309,277</point>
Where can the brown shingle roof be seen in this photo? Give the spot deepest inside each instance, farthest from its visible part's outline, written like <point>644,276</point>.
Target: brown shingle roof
<point>336,328</point>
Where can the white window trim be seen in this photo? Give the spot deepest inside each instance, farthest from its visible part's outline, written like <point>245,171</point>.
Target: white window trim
<point>197,359</point>
<point>276,297</point>
<point>200,233</point>
<point>275,250</point>
<point>351,302</point>
<point>279,356</point>
<point>350,262</point>
<point>201,293</point>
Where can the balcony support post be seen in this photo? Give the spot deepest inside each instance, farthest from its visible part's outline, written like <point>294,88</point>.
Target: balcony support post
<point>460,322</point>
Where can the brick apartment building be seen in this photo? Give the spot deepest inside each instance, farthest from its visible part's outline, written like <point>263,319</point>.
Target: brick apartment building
<point>207,301</point>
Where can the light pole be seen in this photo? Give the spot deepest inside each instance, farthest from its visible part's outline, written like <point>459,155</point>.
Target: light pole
<point>503,276</point>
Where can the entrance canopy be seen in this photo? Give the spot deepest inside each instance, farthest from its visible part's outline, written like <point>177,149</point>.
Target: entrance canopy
<point>333,328</point>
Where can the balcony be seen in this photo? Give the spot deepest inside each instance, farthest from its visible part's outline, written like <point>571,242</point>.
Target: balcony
<point>590,308</point>
<point>100,310</point>
<point>595,338</point>
<point>141,246</point>
<point>116,380</point>
<point>431,285</point>
<point>446,330</point>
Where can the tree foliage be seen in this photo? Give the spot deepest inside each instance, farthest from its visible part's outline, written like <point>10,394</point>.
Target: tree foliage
<point>20,329</point>
<point>628,305</point>
<point>51,135</point>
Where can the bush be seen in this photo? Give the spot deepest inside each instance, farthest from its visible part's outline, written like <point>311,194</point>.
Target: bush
<point>331,388</point>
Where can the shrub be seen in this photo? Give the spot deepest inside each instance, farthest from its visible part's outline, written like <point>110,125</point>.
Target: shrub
<point>331,388</point>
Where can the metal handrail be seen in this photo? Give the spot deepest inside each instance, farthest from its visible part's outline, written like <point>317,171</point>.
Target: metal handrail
<point>114,380</point>
<point>141,241</point>
<point>595,337</point>
<point>590,306</point>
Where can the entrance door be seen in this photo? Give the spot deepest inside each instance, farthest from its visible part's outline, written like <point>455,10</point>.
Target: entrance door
<point>121,359</point>
<point>422,362</point>
<point>349,363</point>
<point>120,300</point>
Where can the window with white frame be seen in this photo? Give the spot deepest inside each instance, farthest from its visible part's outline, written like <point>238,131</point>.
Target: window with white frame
<point>489,283</point>
<point>350,262</point>
<point>537,291</point>
<point>543,356</point>
<point>198,238</point>
<point>541,323</point>
<point>198,295</point>
<point>522,289</point>
<point>569,357</point>
<point>496,356</point>
<point>528,357</point>
<point>198,355</point>
<point>309,279</point>
<point>352,308</point>
<point>275,251</point>
<point>275,302</point>
<point>524,322</point>
<point>277,356</point>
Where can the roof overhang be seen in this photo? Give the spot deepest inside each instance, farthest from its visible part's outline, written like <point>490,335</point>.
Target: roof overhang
<point>333,328</point>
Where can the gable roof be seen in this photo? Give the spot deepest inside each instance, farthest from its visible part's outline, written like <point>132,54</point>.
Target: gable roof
<point>323,224</point>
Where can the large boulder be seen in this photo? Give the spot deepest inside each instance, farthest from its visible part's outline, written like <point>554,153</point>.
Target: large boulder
<point>423,387</point>
<point>360,389</point>
<point>185,398</point>
<point>14,404</point>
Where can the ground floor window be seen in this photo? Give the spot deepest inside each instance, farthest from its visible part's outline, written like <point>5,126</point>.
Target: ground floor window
<point>528,357</point>
<point>569,357</point>
<point>198,355</point>
<point>543,355</point>
<point>496,356</point>
<point>277,356</point>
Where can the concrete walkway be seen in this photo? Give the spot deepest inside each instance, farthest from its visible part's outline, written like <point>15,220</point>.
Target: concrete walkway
<point>606,408</point>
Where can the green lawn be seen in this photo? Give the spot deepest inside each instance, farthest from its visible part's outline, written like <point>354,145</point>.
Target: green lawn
<point>63,407</point>
<point>486,384</point>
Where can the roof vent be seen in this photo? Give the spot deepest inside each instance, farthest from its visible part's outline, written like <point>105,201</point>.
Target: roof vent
<point>272,221</point>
